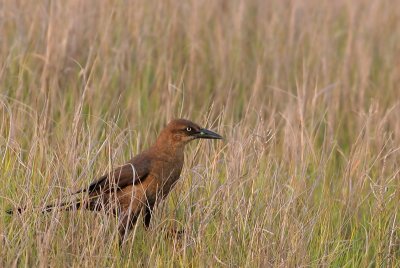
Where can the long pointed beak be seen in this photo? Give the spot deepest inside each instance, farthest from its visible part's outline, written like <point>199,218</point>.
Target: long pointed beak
<point>207,134</point>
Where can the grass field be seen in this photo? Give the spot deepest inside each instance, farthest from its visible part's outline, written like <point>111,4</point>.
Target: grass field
<point>306,94</point>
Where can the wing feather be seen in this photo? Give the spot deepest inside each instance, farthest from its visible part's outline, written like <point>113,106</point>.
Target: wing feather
<point>133,172</point>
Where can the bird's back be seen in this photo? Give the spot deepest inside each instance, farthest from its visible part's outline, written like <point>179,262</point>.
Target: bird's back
<point>147,177</point>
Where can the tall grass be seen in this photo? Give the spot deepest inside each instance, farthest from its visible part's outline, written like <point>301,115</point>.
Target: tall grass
<point>306,94</point>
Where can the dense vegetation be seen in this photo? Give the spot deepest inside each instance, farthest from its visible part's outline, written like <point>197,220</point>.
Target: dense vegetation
<point>306,94</point>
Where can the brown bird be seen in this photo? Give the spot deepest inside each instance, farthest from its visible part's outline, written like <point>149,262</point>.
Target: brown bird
<point>140,184</point>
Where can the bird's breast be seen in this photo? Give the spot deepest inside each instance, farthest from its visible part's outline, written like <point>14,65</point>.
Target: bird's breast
<point>167,176</point>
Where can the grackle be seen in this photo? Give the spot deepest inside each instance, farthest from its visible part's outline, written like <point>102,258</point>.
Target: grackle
<point>137,186</point>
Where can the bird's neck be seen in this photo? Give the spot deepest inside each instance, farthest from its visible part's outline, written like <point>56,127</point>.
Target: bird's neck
<point>169,147</point>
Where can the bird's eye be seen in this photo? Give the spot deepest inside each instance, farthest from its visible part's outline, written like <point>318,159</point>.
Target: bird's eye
<point>188,129</point>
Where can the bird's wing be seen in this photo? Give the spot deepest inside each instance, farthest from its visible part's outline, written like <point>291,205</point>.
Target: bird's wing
<point>133,172</point>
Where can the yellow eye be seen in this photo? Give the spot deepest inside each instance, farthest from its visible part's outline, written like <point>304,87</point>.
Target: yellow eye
<point>188,129</point>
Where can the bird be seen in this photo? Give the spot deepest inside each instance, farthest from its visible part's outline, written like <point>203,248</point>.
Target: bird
<point>136,187</point>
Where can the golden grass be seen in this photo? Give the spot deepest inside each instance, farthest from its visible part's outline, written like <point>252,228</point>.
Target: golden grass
<point>305,92</point>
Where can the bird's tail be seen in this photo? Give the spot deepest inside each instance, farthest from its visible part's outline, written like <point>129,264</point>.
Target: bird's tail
<point>63,206</point>
<point>75,205</point>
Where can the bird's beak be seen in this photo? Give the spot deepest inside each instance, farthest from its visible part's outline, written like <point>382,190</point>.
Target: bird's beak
<point>207,134</point>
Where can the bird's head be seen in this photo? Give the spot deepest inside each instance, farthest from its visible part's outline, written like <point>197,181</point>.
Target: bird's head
<point>181,131</point>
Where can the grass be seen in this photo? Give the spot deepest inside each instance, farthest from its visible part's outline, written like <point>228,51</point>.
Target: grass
<point>306,94</point>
